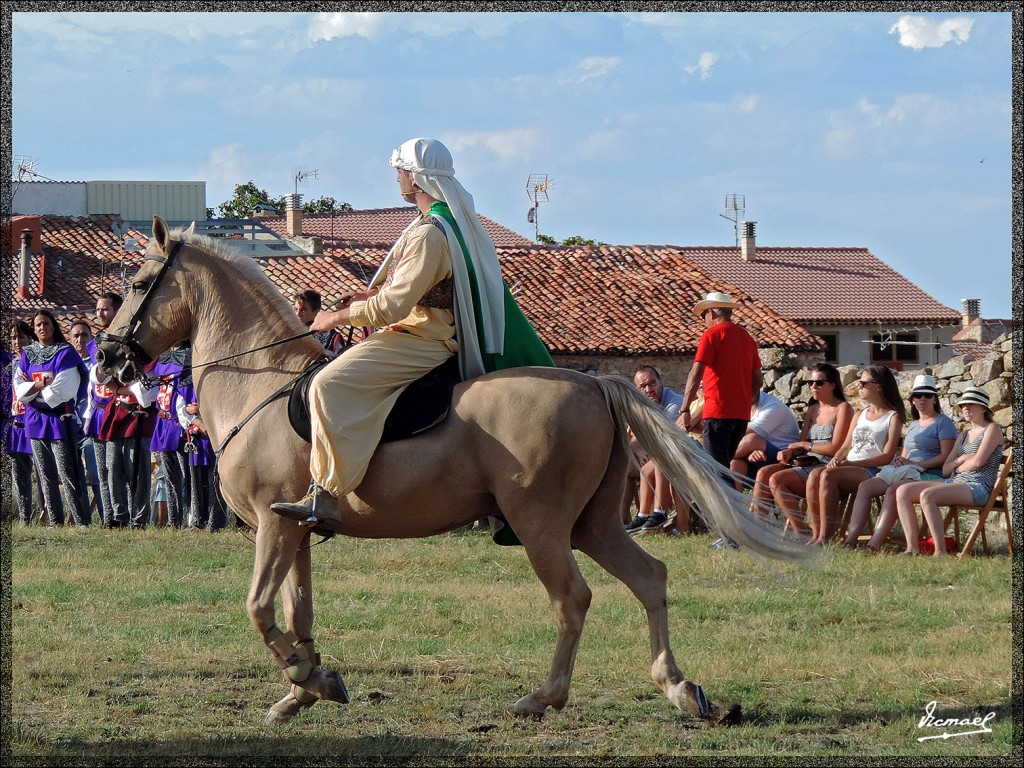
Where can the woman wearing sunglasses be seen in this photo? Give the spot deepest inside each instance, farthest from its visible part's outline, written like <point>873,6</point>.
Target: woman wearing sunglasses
<point>970,471</point>
<point>927,444</point>
<point>871,444</point>
<point>824,431</point>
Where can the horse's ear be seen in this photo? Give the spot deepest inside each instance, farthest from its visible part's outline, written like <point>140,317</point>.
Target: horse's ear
<point>161,234</point>
<point>191,230</point>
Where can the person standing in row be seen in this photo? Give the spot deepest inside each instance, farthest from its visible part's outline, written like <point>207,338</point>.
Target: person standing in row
<point>99,396</point>
<point>17,446</point>
<point>49,381</point>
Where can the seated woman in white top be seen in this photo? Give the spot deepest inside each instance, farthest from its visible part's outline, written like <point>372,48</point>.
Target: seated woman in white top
<point>871,444</point>
<point>928,441</point>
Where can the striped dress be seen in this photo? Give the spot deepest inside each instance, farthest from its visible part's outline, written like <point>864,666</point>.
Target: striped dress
<point>988,473</point>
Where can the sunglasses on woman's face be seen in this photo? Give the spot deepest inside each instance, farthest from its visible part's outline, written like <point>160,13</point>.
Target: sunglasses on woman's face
<point>925,395</point>
<point>818,382</point>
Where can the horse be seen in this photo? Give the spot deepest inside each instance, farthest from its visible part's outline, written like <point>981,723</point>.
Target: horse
<point>544,447</point>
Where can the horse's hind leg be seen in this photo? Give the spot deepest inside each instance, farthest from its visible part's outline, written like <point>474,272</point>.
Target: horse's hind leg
<point>554,565</point>
<point>600,535</point>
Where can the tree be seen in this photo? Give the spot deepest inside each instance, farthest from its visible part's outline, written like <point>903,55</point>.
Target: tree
<point>574,240</point>
<point>325,204</point>
<point>247,197</point>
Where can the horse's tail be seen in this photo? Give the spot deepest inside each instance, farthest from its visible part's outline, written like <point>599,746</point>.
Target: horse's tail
<point>700,480</point>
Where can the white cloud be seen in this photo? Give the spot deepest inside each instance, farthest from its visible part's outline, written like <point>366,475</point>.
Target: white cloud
<point>746,103</point>
<point>514,145</point>
<point>327,26</point>
<point>598,66</point>
<point>704,65</point>
<point>918,33</point>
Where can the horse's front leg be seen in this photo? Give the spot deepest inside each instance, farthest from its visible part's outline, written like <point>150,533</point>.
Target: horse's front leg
<point>297,600</point>
<point>277,546</point>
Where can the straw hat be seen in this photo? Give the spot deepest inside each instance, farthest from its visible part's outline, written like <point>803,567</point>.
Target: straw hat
<point>714,300</point>
<point>925,383</point>
<point>975,395</point>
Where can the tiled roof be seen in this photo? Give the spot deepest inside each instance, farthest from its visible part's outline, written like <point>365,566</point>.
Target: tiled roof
<point>376,225</point>
<point>629,300</point>
<point>624,300</point>
<point>825,285</point>
<point>83,259</point>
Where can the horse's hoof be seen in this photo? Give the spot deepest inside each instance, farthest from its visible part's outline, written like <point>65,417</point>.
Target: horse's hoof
<point>333,687</point>
<point>286,709</point>
<point>528,706</point>
<point>690,698</point>
<point>325,684</point>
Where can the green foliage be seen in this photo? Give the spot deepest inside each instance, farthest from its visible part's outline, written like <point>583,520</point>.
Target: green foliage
<point>573,240</point>
<point>135,648</point>
<point>247,197</point>
<point>325,204</point>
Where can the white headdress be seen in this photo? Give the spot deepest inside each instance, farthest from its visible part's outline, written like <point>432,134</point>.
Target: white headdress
<point>431,165</point>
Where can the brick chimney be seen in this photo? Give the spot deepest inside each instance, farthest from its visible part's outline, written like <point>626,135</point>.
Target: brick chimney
<point>748,244</point>
<point>293,212</point>
<point>26,258</point>
<point>971,311</point>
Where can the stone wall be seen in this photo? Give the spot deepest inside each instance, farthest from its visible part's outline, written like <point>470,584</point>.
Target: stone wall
<point>786,376</point>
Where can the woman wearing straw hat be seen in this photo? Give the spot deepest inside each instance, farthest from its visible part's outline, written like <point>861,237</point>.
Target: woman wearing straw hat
<point>970,472</point>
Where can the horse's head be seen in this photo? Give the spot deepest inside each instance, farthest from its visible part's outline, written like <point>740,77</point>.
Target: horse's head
<point>151,319</point>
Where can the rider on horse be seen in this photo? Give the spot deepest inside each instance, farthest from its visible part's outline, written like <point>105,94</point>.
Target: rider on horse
<point>426,306</point>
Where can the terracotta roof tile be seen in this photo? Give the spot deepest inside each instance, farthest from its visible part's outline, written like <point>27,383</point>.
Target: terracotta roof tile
<point>624,300</point>
<point>376,225</point>
<point>825,285</point>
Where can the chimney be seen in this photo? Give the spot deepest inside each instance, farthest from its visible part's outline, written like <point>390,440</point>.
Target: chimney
<point>748,246</point>
<point>26,258</point>
<point>293,212</point>
<point>971,310</point>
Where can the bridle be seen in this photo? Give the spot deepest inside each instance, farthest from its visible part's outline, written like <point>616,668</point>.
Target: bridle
<point>128,343</point>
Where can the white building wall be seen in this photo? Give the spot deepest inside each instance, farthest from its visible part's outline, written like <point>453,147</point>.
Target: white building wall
<point>853,349</point>
<point>56,198</point>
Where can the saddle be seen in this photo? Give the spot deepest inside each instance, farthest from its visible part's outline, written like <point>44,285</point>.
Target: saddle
<point>422,405</point>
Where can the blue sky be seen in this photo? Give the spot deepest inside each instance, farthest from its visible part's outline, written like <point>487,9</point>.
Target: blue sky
<point>890,131</point>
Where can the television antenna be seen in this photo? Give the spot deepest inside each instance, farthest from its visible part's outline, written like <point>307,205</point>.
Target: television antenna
<point>735,211</point>
<point>26,167</point>
<point>301,174</point>
<point>537,190</point>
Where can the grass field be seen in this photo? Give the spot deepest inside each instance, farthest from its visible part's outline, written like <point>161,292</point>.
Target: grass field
<point>134,647</point>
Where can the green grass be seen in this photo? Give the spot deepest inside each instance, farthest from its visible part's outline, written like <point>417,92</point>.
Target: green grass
<point>135,646</point>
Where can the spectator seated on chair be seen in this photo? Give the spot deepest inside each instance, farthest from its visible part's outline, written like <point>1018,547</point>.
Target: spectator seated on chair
<point>926,446</point>
<point>970,470</point>
<point>828,420</point>
<point>871,443</point>
<point>772,427</point>
<point>655,489</point>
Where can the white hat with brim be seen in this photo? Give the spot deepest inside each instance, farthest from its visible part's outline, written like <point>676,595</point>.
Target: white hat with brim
<point>925,383</point>
<point>714,300</point>
<point>975,395</point>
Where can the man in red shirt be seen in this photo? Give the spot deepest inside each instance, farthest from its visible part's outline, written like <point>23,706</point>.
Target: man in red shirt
<point>728,364</point>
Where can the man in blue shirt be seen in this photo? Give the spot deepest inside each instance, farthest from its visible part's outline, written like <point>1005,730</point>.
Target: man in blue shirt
<point>655,488</point>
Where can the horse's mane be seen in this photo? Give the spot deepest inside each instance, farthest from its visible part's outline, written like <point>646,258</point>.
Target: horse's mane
<point>249,269</point>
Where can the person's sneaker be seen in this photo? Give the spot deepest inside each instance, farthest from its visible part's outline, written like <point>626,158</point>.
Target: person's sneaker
<point>656,520</point>
<point>636,523</point>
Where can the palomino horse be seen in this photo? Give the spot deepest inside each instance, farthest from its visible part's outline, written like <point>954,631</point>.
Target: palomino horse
<point>544,447</point>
